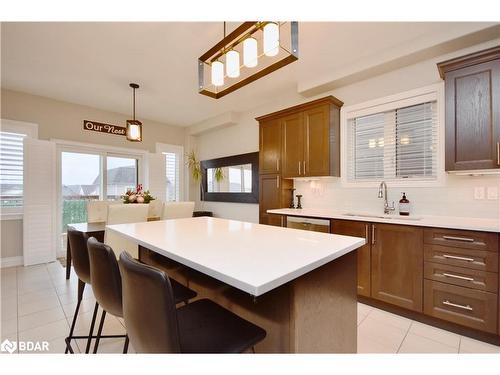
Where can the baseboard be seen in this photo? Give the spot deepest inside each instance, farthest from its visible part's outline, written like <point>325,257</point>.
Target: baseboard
<point>11,262</point>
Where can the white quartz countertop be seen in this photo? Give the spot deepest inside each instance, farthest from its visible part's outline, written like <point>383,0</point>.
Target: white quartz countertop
<point>452,222</point>
<point>252,257</point>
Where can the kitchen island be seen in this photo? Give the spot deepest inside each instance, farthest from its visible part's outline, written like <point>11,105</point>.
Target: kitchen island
<point>299,286</point>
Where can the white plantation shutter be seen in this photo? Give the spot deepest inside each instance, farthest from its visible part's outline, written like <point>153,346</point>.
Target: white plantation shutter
<point>39,206</point>
<point>393,145</point>
<point>11,169</point>
<point>172,173</point>
<point>156,175</point>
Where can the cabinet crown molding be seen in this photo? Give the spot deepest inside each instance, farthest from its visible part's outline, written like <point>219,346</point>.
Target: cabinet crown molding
<point>468,60</point>
<point>326,100</point>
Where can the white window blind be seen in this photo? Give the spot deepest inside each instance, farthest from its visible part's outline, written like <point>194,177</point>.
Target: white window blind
<point>11,169</point>
<point>172,171</point>
<point>393,145</point>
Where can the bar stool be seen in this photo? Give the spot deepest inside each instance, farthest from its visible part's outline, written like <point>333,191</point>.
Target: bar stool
<point>107,285</point>
<point>79,254</point>
<point>158,327</point>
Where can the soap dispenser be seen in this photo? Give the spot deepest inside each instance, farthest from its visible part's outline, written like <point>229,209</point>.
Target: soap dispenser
<point>404,206</point>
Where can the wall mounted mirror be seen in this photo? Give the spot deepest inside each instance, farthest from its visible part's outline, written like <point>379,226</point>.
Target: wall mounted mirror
<point>231,179</point>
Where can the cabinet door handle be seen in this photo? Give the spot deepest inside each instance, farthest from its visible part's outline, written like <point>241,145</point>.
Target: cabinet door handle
<point>299,168</point>
<point>277,182</point>
<point>454,238</point>
<point>457,277</point>
<point>304,169</point>
<point>278,165</point>
<point>373,234</point>
<point>498,153</point>
<point>464,307</point>
<point>458,258</point>
<point>366,233</point>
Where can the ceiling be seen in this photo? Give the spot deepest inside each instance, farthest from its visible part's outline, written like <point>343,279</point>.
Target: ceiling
<point>93,63</point>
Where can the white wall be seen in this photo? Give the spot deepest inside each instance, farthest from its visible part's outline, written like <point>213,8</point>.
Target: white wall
<point>455,197</point>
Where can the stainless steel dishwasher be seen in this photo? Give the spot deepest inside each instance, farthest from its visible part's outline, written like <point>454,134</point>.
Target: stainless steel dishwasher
<point>305,223</point>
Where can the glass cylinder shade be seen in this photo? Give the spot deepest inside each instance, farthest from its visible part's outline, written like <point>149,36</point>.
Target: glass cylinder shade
<point>233,64</point>
<point>271,39</point>
<point>217,73</point>
<point>134,131</point>
<point>250,52</point>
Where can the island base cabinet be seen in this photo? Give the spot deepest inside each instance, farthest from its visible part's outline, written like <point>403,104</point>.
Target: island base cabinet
<point>397,265</point>
<point>471,308</point>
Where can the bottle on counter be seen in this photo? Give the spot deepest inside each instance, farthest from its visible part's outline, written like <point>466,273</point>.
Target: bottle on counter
<point>404,206</point>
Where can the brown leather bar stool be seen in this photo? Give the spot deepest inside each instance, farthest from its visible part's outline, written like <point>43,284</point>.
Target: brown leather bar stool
<point>107,285</point>
<point>79,254</point>
<point>158,327</point>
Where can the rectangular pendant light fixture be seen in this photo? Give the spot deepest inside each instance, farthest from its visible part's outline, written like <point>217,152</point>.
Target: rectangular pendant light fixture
<point>251,51</point>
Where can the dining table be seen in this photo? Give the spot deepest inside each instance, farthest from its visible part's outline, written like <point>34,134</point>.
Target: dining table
<point>94,229</point>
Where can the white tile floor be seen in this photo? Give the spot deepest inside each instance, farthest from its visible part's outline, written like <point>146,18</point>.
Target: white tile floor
<point>37,303</point>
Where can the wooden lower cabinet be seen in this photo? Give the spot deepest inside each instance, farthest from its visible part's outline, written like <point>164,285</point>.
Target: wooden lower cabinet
<point>358,229</point>
<point>468,307</point>
<point>397,265</point>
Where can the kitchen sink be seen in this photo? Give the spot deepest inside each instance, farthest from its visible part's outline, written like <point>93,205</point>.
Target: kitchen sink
<point>391,217</point>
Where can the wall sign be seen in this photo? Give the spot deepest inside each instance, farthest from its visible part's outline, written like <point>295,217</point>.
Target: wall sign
<point>104,128</point>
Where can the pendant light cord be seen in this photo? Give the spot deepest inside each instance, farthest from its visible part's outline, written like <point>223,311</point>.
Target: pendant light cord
<point>134,103</point>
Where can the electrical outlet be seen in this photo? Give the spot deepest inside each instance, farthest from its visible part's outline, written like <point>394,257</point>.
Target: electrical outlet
<point>479,192</point>
<point>492,193</point>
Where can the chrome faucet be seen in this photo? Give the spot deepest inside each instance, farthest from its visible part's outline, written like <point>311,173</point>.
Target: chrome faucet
<point>383,194</point>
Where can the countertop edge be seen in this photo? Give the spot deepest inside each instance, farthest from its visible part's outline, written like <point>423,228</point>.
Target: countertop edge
<point>424,222</point>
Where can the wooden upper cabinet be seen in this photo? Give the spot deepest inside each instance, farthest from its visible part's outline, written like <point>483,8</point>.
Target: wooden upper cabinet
<point>270,147</point>
<point>310,138</point>
<point>293,145</point>
<point>472,119</point>
<point>317,144</point>
<point>358,229</point>
<point>397,265</point>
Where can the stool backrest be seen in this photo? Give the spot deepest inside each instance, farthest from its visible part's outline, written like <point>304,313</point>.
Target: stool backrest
<point>123,214</point>
<point>177,210</point>
<point>148,307</point>
<point>105,277</point>
<point>79,254</point>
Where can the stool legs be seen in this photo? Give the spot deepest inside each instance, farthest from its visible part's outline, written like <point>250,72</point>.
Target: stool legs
<point>125,347</point>
<point>81,288</point>
<point>91,332</point>
<point>99,332</point>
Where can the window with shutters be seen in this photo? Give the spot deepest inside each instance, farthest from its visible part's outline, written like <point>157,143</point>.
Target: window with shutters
<point>172,170</point>
<point>395,141</point>
<point>11,169</point>
<point>12,135</point>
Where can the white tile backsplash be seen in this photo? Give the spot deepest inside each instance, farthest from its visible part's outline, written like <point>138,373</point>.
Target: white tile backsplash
<point>454,198</point>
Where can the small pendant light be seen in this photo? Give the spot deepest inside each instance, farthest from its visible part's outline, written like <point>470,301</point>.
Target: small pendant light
<point>134,127</point>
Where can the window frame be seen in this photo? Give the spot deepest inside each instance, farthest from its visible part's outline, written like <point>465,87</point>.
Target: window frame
<point>421,95</point>
<point>90,148</point>
<point>30,130</point>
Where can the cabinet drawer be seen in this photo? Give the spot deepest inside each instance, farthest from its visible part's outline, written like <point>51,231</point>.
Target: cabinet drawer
<point>473,259</point>
<point>468,307</point>
<point>470,278</point>
<point>464,239</point>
